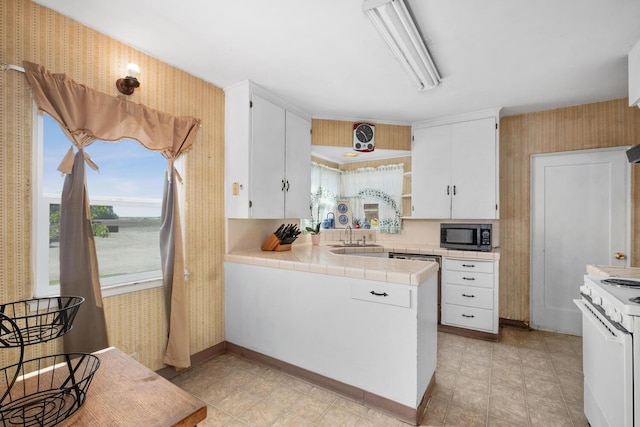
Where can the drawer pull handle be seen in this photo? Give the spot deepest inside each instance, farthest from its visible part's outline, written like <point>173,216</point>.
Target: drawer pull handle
<point>470,316</point>
<point>384,294</point>
<point>468,265</point>
<point>468,296</point>
<point>469,278</point>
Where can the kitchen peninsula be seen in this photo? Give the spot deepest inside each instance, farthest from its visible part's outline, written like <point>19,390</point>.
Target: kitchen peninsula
<point>362,325</point>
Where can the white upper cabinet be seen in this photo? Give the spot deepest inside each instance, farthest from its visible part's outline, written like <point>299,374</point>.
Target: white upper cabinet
<point>634,75</point>
<point>267,156</point>
<point>455,170</point>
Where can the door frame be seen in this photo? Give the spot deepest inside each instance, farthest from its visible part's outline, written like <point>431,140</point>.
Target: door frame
<point>628,244</point>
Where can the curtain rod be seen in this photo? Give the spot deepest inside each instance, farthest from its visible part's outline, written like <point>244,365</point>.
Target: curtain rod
<point>7,67</point>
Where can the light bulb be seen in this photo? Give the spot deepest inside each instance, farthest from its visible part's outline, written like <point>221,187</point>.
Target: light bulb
<point>133,70</point>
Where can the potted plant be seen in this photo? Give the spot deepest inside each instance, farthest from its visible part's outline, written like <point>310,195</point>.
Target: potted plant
<point>315,233</point>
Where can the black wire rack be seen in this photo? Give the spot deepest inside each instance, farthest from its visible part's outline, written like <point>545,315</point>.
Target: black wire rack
<point>39,319</point>
<point>46,390</point>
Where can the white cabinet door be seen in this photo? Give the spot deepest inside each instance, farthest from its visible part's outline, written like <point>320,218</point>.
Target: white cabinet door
<point>267,159</point>
<point>431,172</point>
<point>297,167</point>
<point>473,169</point>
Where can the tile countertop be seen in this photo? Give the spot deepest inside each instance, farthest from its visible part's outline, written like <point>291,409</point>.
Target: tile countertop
<point>609,270</point>
<point>328,259</point>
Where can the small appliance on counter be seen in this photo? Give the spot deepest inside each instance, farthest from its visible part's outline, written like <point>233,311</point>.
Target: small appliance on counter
<point>282,238</point>
<point>466,237</point>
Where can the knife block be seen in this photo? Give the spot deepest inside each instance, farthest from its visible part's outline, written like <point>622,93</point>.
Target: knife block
<point>273,244</point>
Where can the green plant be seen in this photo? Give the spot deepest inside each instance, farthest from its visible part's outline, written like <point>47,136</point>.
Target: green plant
<point>314,230</point>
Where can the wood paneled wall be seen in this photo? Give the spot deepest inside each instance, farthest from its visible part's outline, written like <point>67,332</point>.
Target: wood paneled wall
<point>336,133</point>
<point>599,125</point>
<point>136,321</point>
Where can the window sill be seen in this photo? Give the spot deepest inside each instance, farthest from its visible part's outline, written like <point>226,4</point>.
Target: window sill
<point>133,286</point>
<point>121,285</point>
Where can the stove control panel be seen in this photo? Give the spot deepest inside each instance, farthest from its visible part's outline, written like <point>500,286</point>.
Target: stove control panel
<point>608,298</point>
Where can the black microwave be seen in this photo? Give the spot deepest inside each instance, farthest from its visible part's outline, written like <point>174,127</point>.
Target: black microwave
<point>466,237</point>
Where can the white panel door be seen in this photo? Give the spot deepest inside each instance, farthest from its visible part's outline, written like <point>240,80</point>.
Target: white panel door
<point>579,215</point>
<point>431,172</point>
<point>474,181</point>
<point>267,159</point>
<point>298,167</point>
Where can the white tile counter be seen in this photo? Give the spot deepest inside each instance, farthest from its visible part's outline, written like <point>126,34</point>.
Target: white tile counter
<point>331,260</point>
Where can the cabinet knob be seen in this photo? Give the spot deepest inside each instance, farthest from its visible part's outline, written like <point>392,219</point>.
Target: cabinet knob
<point>620,255</point>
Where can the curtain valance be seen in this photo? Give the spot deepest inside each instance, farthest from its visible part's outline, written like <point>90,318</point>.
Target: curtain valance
<point>85,111</point>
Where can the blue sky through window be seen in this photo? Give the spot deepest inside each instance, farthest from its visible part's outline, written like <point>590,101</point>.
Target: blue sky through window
<point>127,169</point>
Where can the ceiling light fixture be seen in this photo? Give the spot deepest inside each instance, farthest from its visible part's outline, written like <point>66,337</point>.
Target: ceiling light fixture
<point>128,84</point>
<point>393,21</point>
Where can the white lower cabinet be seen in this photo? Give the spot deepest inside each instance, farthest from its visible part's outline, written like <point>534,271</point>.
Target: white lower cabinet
<point>470,294</point>
<point>376,336</point>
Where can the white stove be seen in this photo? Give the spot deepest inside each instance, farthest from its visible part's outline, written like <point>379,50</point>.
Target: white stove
<point>611,350</point>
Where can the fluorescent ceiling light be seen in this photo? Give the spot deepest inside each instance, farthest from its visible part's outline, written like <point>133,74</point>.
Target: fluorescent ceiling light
<point>393,21</point>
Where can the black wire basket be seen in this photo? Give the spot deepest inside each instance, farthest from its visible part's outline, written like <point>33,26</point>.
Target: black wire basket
<point>45,391</point>
<point>38,319</point>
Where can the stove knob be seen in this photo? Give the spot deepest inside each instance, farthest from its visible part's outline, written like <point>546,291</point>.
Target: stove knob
<point>584,289</point>
<point>597,300</point>
<point>616,316</point>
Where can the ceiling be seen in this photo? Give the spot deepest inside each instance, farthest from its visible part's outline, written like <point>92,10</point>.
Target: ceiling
<point>326,57</point>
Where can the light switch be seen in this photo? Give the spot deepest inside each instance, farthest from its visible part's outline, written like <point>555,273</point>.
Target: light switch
<point>236,188</point>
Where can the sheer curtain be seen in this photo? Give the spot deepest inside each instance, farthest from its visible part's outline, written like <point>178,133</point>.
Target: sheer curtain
<point>325,187</point>
<point>375,195</point>
<point>86,115</point>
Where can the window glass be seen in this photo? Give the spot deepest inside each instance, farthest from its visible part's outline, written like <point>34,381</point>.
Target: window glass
<point>125,196</point>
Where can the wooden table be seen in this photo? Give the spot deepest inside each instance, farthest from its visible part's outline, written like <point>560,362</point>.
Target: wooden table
<point>125,393</point>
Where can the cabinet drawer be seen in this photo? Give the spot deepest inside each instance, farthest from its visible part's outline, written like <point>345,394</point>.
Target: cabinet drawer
<point>382,294</point>
<point>469,265</point>
<point>468,317</point>
<point>469,296</point>
<point>484,280</point>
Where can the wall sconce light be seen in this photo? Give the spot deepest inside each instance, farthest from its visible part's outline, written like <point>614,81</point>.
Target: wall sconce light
<point>128,84</point>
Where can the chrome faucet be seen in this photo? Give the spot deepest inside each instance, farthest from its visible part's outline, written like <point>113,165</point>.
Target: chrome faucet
<point>350,234</point>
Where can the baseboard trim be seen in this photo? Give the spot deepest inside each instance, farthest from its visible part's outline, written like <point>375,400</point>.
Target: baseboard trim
<point>469,333</point>
<point>514,323</point>
<point>382,404</point>
<point>169,372</point>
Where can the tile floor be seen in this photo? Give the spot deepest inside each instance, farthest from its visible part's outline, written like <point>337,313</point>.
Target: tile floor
<point>529,378</point>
